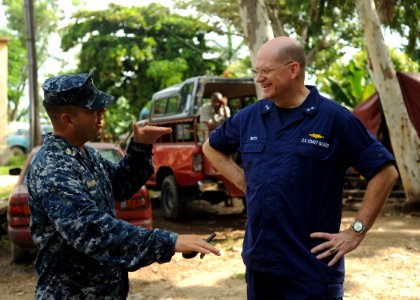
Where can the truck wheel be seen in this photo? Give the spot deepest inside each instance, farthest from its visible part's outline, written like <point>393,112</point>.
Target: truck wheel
<point>171,198</point>
<point>17,151</point>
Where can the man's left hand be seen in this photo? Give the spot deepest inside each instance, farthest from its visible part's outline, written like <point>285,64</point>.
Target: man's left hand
<point>148,134</point>
<point>336,244</point>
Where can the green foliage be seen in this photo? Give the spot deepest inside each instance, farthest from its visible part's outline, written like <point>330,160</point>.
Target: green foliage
<point>15,67</point>
<point>45,15</point>
<point>224,18</point>
<point>324,27</point>
<point>136,51</point>
<point>117,117</point>
<point>404,62</point>
<point>239,68</point>
<point>167,72</point>
<point>17,161</point>
<point>403,16</point>
<point>349,83</point>
<point>220,12</point>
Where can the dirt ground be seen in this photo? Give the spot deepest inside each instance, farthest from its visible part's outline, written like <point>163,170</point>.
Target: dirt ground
<point>385,266</point>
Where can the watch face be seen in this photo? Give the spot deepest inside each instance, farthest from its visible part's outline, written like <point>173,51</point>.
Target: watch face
<point>357,226</point>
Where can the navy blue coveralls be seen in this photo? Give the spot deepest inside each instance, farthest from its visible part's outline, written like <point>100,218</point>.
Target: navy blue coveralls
<point>294,175</point>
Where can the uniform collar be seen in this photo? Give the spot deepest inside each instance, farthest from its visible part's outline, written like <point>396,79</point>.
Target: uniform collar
<point>61,144</point>
<point>309,106</point>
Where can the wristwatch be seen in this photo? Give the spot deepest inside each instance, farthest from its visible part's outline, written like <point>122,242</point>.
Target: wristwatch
<point>358,227</point>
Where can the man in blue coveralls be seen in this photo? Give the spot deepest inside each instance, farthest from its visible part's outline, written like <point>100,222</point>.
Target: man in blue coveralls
<point>296,146</point>
<point>84,250</point>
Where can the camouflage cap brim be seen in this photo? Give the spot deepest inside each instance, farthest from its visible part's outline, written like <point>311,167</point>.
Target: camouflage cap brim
<point>75,89</point>
<point>101,100</point>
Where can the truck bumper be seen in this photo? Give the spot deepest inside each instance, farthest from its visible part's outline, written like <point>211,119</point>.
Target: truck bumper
<point>207,185</point>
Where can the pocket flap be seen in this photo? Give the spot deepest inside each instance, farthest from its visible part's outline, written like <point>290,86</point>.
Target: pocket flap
<point>312,153</point>
<point>252,147</point>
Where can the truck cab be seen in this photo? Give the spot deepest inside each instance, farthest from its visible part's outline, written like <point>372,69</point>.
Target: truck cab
<point>182,172</point>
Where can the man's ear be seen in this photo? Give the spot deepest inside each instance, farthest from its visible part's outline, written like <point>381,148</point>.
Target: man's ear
<point>66,119</point>
<point>295,69</point>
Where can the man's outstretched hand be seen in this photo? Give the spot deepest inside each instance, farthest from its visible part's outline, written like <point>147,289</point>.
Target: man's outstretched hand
<point>192,243</point>
<point>148,134</point>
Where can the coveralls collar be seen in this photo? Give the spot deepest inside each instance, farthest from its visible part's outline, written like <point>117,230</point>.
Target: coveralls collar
<point>61,144</point>
<point>309,106</point>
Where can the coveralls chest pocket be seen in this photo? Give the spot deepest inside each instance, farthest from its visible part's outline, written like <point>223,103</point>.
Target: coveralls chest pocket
<point>311,156</point>
<point>252,161</point>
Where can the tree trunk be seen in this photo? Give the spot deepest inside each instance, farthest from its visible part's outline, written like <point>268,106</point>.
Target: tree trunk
<point>273,12</point>
<point>35,132</point>
<point>404,138</point>
<point>256,24</point>
<point>3,93</point>
<point>257,28</point>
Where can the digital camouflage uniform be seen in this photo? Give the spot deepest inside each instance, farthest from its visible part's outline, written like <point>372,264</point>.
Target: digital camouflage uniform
<point>84,250</point>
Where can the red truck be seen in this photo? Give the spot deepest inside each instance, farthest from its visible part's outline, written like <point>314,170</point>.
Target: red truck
<point>182,172</point>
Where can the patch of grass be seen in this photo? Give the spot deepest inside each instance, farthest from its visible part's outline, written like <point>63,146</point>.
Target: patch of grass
<point>229,244</point>
<point>15,162</point>
<point>18,160</point>
<point>5,191</point>
<point>240,276</point>
<point>4,170</point>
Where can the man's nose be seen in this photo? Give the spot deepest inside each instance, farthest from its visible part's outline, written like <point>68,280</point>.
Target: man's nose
<point>259,77</point>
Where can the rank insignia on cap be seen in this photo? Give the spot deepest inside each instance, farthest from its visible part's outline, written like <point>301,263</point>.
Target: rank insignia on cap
<point>68,151</point>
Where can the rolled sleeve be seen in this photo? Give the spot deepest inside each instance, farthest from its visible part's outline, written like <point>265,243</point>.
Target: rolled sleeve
<point>367,154</point>
<point>372,159</point>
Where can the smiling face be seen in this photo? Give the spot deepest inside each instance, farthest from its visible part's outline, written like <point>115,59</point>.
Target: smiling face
<point>278,69</point>
<point>273,77</point>
<point>274,73</point>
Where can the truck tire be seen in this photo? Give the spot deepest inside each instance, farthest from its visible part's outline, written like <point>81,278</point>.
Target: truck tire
<point>171,197</point>
<point>17,151</point>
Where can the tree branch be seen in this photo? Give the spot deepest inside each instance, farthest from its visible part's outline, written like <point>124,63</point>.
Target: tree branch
<point>273,15</point>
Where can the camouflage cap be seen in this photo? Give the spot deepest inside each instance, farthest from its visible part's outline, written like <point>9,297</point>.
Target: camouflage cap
<point>75,89</point>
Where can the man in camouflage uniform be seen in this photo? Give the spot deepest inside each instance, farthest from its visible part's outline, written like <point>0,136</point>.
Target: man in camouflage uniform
<point>84,250</point>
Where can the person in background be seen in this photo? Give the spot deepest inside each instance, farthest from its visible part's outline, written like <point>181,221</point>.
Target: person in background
<point>84,250</point>
<point>296,146</point>
<point>213,114</point>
